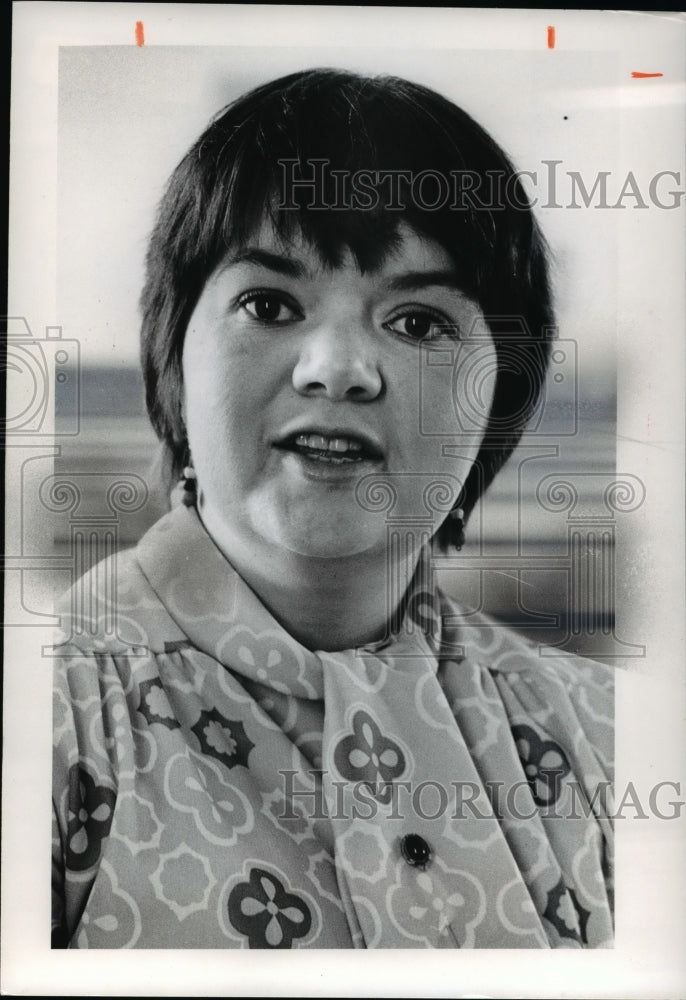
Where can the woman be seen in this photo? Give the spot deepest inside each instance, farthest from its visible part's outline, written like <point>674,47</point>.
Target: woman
<point>291,737</point>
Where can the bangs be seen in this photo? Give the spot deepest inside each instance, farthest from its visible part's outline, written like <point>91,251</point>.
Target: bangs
<point>369,236</point>
<point>334,159</point>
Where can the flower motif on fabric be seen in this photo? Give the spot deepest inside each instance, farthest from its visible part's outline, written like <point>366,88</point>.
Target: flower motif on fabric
<point>544,762</point>
<point>369,757</point>
<point>269,657</point>
<point>362,853</point>
<point>423,905</point>
<point>116,920</point>
<point>566,914</point>
<point>321,870</point>
<point>268,915</point>
<point>138,825</point>
<point>291,815</point>
<point>199,787</point>
<point>183,880</point>
<point>89,818</point>
<point>154,705</point>
<point>480,722</point>
<point>222,738</point>
<point>516,911</point>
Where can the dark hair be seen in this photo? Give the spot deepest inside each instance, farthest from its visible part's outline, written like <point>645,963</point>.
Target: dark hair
<point>234,174</point>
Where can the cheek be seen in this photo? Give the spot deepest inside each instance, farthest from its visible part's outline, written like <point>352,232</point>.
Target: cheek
<point>456,390</point>
<point>207,398</point>
<point>228,397</point>
<point>219,418</point>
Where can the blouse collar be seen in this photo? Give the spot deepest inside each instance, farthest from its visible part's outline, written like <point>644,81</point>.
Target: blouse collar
<point>223,617</point>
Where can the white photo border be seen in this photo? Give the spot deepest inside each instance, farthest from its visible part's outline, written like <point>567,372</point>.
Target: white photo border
<point>651,701</point>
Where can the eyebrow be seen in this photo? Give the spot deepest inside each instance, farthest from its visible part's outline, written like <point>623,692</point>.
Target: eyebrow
<point>415,281</point>
<point>290,267</point>
<point>278,263</point>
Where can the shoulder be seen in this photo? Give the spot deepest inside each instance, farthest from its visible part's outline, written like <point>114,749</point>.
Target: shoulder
<point>112,608</point>
<point>554,704</point>
<point>504,651</point>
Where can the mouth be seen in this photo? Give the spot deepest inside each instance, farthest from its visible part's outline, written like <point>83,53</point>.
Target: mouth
<point>332,447</point>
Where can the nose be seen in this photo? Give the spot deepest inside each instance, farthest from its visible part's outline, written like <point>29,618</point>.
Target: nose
<point>338,364</point>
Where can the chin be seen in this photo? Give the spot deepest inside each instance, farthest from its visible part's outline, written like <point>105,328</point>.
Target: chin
<point>337,538</point>
<point>330,550</point>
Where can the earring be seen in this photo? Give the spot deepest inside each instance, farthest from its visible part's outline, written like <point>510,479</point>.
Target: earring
<point>457,521</point>
<point>189,484</point>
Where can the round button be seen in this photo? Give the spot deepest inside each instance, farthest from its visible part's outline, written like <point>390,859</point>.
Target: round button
<point>415,850</point>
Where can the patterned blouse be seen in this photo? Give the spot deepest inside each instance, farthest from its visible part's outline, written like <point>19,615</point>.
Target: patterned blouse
<point>216,784</point>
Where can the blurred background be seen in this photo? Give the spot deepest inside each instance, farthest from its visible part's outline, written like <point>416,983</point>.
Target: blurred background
<point>539,555</point>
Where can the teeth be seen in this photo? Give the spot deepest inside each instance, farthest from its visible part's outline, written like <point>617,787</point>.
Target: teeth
<point>321,443</point>
<point>344,444</point>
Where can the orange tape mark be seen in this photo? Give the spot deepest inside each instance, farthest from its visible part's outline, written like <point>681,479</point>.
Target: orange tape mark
<point>551,37</point>
<point>644,76</point>
<point>140,36</point>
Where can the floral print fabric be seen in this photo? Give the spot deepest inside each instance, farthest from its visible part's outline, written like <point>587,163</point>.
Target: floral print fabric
<point>218,785</point>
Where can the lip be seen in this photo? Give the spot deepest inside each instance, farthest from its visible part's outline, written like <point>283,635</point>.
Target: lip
<point>371,447</point>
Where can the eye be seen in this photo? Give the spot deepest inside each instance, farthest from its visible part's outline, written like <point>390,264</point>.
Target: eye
<point>269,307</point>
<point>418,324</point>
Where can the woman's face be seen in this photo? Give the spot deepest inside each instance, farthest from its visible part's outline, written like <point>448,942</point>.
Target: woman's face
<point>301,380</point>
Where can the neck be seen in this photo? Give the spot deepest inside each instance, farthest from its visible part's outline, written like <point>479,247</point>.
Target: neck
<point>326,604</point>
